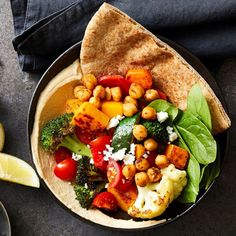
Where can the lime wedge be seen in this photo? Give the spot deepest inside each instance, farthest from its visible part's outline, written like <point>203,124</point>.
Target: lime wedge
<point>2,137</point>
<point>18,171</point>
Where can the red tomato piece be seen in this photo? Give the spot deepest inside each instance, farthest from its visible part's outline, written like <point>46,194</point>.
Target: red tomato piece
<point>151,158</point>
<point>106,201</point>
<point>86,137</point>
<point>162,95</point>
<point>61,154</point>
<point>140,76</point>
<point>66,169</point>
<point>97,147</point>
<point>114,81</point>
<point>114,173</point>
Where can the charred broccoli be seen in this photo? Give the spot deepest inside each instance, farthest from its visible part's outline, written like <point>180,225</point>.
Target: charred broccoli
<point>88,182</point>
<point>86,194</point>
<point>156,130</point>
<point>57,132</point>
<point>54,131</point>
<point>86,173</point>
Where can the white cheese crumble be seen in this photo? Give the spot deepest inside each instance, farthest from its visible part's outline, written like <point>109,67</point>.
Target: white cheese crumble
<point>86,185</point>
<point>76,157</point>
<point>145,155</point>
<point>91,161</point>
<point>115,121</point>
<point>120,155</point>
<point>106,185</point>
<point>162,116</point>
<point>172,135</point>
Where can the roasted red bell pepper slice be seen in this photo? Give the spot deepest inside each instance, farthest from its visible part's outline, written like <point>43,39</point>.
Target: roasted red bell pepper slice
<point>114,81</point>
<point>106,201</point>
<point>162,95</point>
<point>97,147</point>
<point>151,158</point>
<point>140,76</point>
<point>114,173</point>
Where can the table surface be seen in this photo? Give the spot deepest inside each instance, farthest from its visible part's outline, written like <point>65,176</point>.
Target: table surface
<point>34,212</point>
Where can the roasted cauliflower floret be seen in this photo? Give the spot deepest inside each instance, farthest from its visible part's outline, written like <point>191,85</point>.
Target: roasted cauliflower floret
<point>153,199</point>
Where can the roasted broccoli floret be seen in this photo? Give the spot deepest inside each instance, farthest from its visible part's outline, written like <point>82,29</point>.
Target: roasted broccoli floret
<point>85,193</point>
<point>156,130</point>
<point>54,131</point>
<point>88,182</point>
<point>86,173</point>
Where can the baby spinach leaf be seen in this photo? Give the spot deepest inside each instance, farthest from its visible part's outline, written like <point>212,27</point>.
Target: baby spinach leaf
<point>197,137</point>
<point>197,104</point>
<point>204,176</point>
<point>162,105</point>
<point>190,192</point>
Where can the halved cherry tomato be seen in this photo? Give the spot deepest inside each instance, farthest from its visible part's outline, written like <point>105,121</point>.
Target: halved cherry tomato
<point>151,158</point>
<point>140,76</point>
<point>66,169</point>
<point>114,173</point>
<point>162,95</point>
<point>86,137</point>
<point>106,201</point>
<point>97,147</point>
<point>61,154</point>
<point>114,81</point>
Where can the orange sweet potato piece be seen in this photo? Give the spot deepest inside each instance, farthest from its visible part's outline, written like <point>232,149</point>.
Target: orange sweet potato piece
<point>125,199</point>
<point>177,156</point>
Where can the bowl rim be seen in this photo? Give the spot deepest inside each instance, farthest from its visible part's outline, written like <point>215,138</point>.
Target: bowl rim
<point>40,86</point>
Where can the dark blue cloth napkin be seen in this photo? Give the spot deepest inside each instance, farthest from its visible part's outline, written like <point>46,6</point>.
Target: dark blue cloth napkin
<point>46,28</point>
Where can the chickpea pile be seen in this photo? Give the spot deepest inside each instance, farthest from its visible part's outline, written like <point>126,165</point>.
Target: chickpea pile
<point>142,171</point>
<point>91,92</point>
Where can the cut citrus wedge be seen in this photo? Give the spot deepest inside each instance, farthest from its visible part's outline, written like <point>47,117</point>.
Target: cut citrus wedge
<point>2,137</point>
<point>15,170</point>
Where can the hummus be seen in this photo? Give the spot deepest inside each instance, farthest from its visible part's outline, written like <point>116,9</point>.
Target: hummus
<point>51,104</point>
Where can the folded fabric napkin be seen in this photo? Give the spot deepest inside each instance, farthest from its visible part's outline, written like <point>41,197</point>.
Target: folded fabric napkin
<point>46,28</point>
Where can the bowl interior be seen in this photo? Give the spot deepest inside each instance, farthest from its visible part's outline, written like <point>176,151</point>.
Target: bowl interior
<point>175,210</point>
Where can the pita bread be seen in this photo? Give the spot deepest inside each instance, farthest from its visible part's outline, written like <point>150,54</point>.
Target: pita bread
<point>114,43</point>
<point>51,104</point>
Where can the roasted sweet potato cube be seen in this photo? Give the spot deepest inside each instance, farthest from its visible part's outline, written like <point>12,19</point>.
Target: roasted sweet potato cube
<point>177,156</point>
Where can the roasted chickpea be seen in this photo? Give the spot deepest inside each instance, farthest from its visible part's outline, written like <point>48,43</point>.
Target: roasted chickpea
<point>139,132</point>
<point>154,174</point>
<point>141,179</point>
<point>129,99</point>
<point>89,81</point>
<point>136,91</point>
<point>161,161</point>
<point>129,109</point>
<point>77,89</point>
<point>139,151</point>
<point>84,95</point>
<point>150,95</point>
<point>108,94</point>
<point>95,101</point>
<point>142,164</point>
<point>116,94</point>
<point>129,171</point>
<point>99,92</point>
<point>150,144</point>
<point>149,113</point>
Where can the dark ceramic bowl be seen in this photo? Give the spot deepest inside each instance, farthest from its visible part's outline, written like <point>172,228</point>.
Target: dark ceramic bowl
<point>175,210</point>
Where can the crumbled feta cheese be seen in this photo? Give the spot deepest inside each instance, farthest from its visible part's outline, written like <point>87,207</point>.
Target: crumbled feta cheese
<point>172,135</point>
<point>86,185</point>
<point>145,155</point>
<point>76,157</point>
<point>119,155</point>
<point>91,161</point>
<point>129,159</point>
<point>106,185</point>
<point>162,116</point>
<point>115,121</point>
<point>132,149</point>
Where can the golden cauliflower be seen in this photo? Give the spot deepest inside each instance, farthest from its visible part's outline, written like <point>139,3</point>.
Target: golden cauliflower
<point>153,199</point>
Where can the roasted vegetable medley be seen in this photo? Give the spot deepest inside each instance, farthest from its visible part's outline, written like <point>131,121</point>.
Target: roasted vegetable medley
<point>122,144</point>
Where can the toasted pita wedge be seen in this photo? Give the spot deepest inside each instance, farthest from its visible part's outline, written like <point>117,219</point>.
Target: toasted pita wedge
<point>114,43</point>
